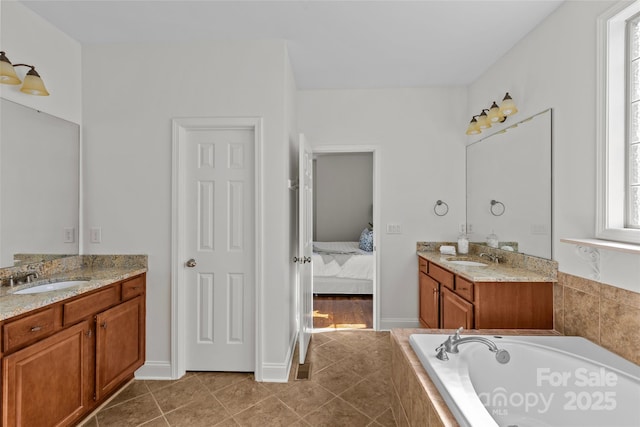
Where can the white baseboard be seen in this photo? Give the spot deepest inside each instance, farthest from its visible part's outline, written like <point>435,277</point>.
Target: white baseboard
<point>154,370</point>
<point>388,323</point>
<point>279,372</point>
<point>271,372</point>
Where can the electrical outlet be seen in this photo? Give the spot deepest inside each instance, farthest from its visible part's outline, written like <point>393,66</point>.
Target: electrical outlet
<point>463,227</point>
<point>69,235</point>
<point>469,228</point>
<point>95,235</point>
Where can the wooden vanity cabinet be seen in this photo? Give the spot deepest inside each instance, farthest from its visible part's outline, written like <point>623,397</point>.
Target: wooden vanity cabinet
<point>47,383</point>
<point>429,302</point>
<point>119,344</point>
<point>455,311</point>
<point>62,361</point>
<point>482,305</point>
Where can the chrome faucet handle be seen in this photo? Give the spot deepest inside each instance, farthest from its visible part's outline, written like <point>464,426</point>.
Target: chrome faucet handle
<point>441,353</point>
<point>456,336</point>
<point>503,356</point>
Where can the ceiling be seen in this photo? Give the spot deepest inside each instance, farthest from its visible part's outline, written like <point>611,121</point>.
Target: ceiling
<point>332,44</point>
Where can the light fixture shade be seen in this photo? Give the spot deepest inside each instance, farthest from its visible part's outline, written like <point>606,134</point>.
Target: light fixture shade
<point>8,75</point>
<point>508,107</point>
<point>483,121</point>
<point>33,84</point>
<point>473,128</point>
<point>494,113</point>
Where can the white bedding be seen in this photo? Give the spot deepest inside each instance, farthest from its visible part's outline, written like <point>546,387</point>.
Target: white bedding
<point>329,261</point>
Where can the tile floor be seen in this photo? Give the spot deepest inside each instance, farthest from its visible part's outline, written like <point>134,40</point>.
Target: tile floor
<point>349,385</point>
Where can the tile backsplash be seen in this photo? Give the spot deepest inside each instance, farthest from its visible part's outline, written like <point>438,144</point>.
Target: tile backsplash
<point>604,314</point>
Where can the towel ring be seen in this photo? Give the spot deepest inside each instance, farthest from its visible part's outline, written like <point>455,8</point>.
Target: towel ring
<point>497,208</point>
<point>441,203</point>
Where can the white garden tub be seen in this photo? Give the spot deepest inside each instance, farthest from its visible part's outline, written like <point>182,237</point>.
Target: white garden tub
<point>549,381</point>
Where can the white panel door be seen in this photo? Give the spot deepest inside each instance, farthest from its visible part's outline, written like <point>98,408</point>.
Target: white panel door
<point>219,272</point>
<point>305,245</point>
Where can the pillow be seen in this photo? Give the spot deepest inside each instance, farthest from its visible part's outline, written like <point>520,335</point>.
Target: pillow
<point>366,240</point>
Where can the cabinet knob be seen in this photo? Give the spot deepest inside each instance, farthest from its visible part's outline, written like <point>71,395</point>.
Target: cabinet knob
<point>104,325</point>
<point>35,328</point>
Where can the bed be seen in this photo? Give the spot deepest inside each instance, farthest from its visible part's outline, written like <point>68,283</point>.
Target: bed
<point>342,268</point>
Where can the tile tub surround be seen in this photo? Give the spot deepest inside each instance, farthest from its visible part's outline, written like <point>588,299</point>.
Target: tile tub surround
<point>604,314</point>
<point>415,400</point>
<point>101,270</point>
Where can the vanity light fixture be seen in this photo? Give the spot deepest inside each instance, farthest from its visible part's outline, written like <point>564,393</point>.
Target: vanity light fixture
<point>495,114</point>
<point>33,84</point>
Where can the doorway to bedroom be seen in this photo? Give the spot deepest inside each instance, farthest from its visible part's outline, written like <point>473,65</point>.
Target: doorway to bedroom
<point>344,248</point>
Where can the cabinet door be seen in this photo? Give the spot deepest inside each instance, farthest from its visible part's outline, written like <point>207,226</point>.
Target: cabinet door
<point>429,296</point>
<point>455,311</point>
<point>119,344</point>
<point>47,383</point>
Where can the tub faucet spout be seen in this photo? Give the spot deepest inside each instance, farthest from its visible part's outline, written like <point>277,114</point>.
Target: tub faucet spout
<point>450,345</point>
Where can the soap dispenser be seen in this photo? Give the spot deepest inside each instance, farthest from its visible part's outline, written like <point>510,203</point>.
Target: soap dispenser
<point>463,244</point>
<point>492,240</point>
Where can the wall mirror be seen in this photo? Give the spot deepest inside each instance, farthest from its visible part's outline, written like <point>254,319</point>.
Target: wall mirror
<point>509,186</point>
<point>39,184</point>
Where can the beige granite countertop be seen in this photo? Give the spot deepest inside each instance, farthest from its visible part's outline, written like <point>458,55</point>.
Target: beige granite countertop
<point>491,273</point>
<point>12,305</point>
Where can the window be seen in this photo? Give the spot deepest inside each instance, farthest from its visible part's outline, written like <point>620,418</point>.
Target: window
<point>618,134</point>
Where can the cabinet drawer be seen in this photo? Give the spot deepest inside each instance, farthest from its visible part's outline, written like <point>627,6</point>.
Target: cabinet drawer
<point>132,287</point>
<point>422,265</point>
<point>29,329</point>
<point>441,275</point>
<point>90,304</point>
<point>464,288</point>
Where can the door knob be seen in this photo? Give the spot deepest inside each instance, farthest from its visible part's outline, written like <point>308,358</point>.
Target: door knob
<point>191,263</point>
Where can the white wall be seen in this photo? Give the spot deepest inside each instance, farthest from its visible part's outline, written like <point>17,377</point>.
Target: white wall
<point>419,133</point>
<point>28,39</point>
<point>555,66</point>
<point>342,196</point>
<point>127,132</point>
<point>290,110</point>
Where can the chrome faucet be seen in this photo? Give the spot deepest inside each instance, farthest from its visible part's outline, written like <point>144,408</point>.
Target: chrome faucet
<point>492,257</point>
<point>450,345</point>
<point>31,276</point>
<point>27,277</point>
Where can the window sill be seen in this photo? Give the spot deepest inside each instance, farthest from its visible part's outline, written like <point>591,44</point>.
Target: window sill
<point>629,248</point>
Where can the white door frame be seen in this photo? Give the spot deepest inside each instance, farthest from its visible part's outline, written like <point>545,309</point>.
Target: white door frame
<point>375,150</point>
<point>178,254</point>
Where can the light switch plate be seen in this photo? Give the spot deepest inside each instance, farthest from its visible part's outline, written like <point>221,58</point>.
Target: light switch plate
<point>394,228</point>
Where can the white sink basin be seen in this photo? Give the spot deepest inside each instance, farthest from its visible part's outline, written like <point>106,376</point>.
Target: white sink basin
<point>48,287</point>
<point>468,263</point>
